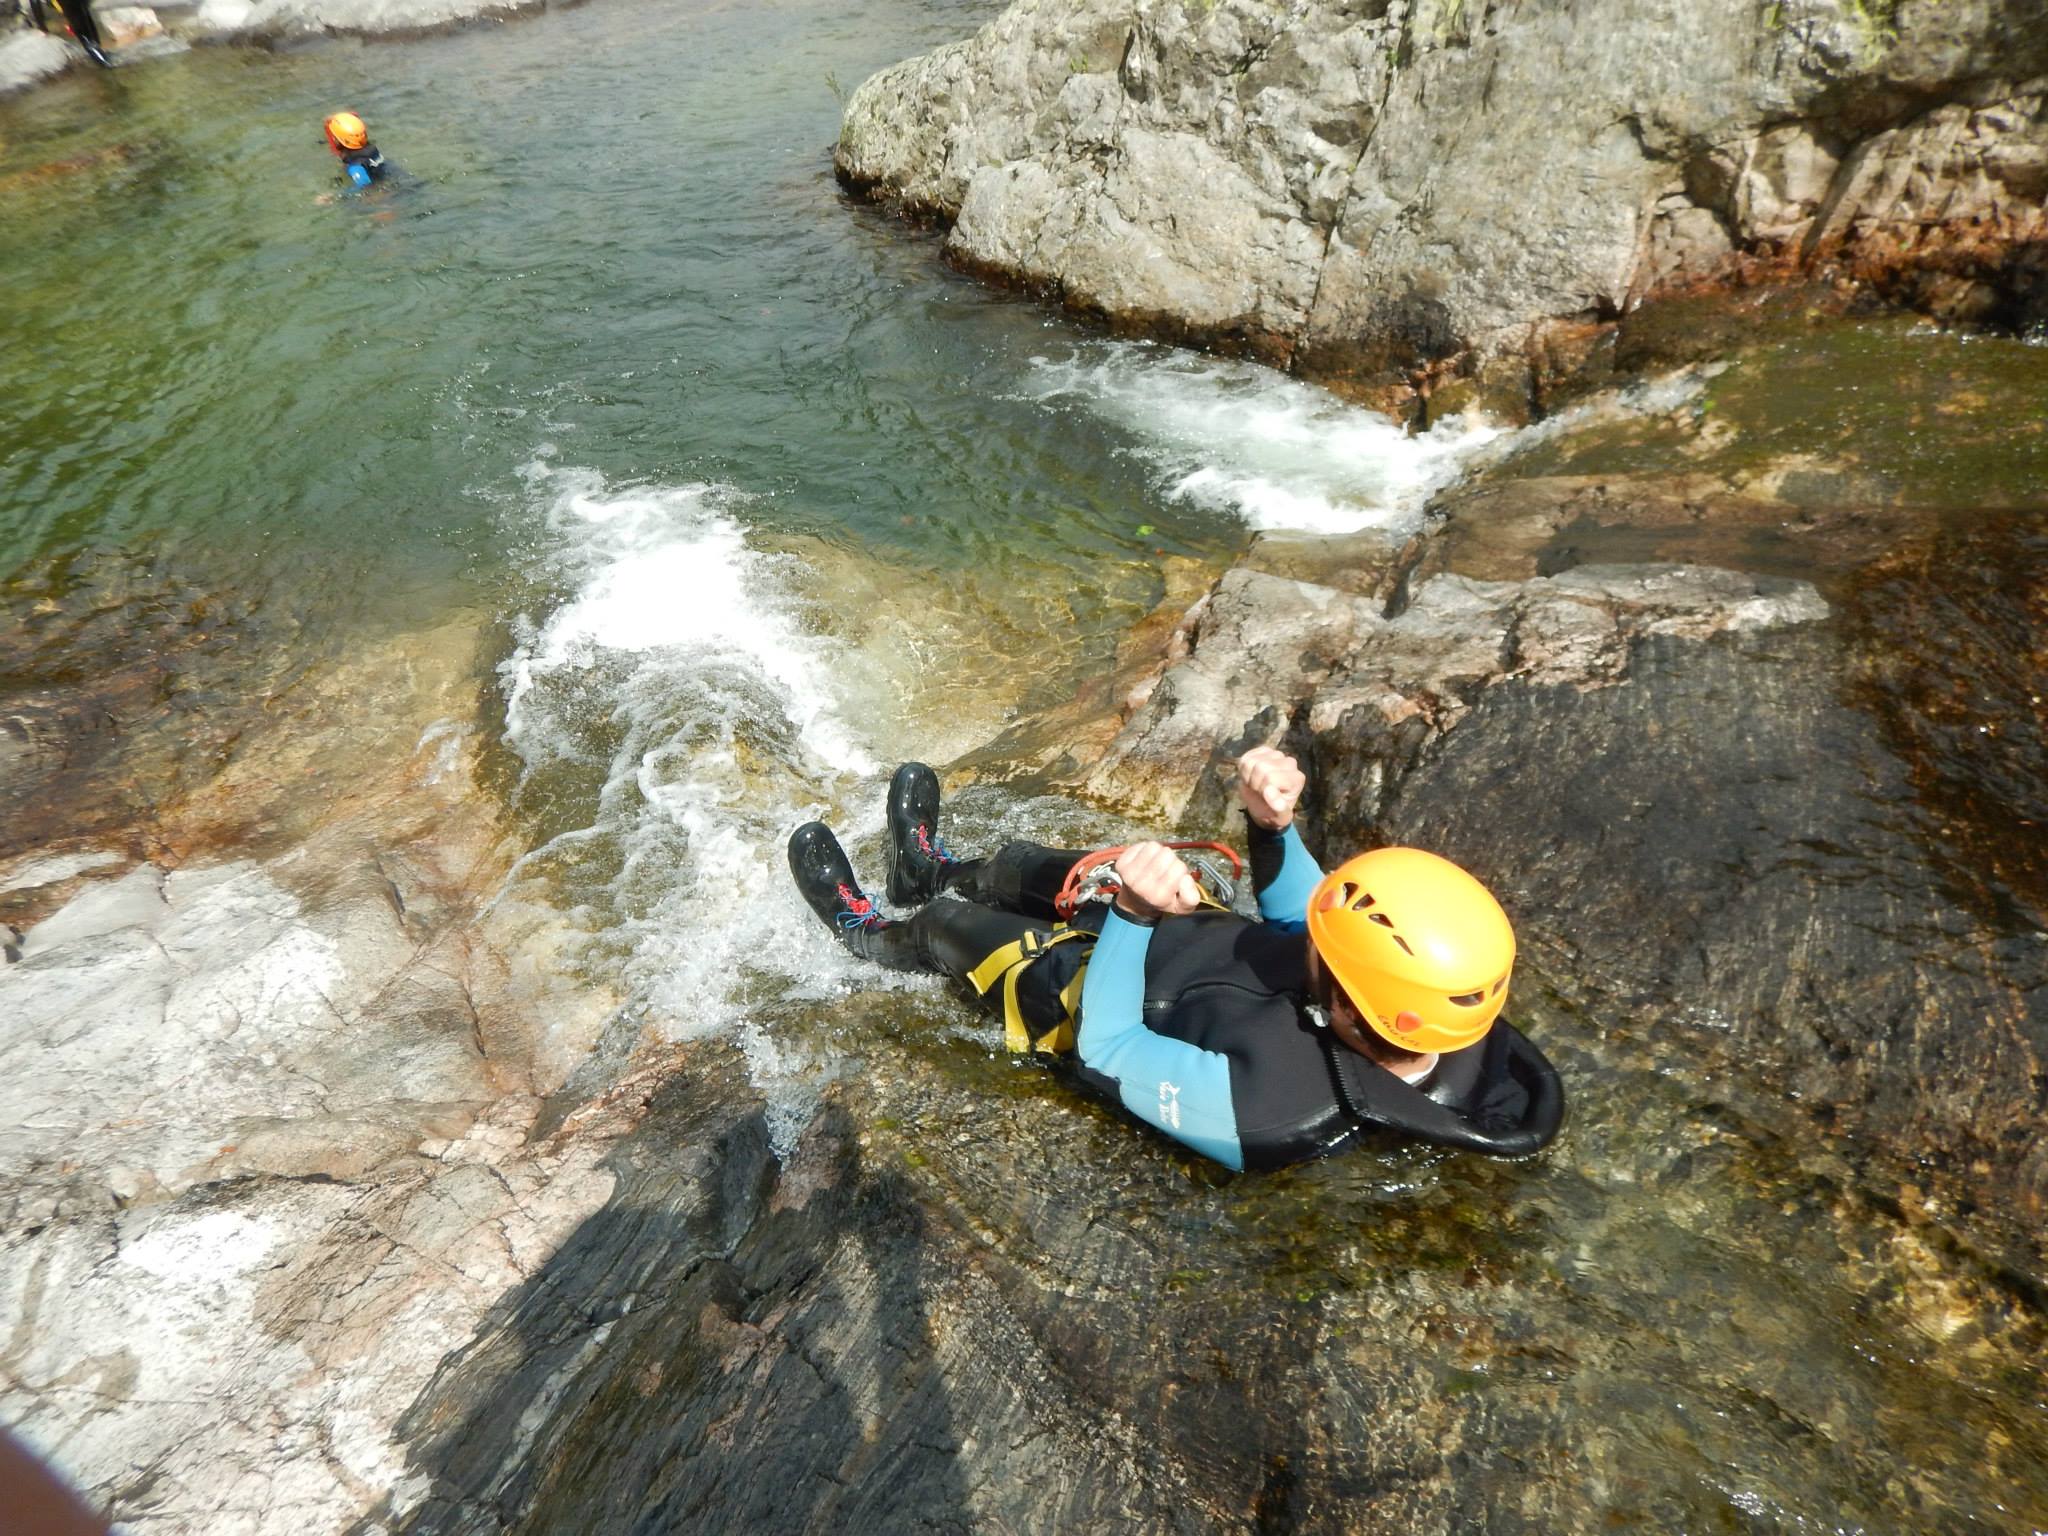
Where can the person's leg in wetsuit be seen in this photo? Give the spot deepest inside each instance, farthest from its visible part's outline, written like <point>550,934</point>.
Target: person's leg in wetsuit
<point>78,16</point>
<point>1002,900</point>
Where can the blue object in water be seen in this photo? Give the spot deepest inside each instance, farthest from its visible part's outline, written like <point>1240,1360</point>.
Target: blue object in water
<point>359,175</point>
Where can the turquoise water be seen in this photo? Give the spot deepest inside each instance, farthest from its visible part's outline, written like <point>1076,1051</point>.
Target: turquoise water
<point>333,402</point>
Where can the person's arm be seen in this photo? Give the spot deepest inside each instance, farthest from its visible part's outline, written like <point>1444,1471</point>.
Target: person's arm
<point>1179,1088</point>
<point>1283,872</point>
<point>1284,876</point>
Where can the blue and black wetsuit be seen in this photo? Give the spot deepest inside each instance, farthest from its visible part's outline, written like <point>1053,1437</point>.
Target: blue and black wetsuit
<point>363,166</point>
<point>1199,1025</point>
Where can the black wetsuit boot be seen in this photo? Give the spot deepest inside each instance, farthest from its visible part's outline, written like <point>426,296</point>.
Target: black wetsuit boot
<point>826,880</point>
<point>1021,877</point>
<point>920,866</point>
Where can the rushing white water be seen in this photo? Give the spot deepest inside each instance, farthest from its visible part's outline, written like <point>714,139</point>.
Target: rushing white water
<point>1240,438</point>
<point>678,707</point>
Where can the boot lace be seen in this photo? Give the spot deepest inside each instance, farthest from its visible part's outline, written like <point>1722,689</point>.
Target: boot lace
<point>857,911</point>
<point>933,847</point>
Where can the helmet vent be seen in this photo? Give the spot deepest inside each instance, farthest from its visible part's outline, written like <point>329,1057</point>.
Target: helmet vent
<point>1379,917</point>
<point>1404,945</point>
<point>1469,999</point>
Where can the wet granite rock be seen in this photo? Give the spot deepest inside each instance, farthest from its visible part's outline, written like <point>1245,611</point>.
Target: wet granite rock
<point>970,1299</point>
<point>1261,641</point>
<point>267,1118</point>
<point>446,1271</point>
<point>1385,195</point>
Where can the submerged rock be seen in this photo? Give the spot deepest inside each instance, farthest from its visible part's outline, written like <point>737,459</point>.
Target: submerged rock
<point>1383,195</point>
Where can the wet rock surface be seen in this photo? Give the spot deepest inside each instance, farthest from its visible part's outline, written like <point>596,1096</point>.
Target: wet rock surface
<point>1322,186</point>
<point>266,1155</point>
<point>325,1212</point>
<point>1789,1235</point>
<point>269,20</point>
<point>920,1314</point>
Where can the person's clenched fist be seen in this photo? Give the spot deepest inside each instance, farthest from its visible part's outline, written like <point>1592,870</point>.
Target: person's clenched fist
<point>1155,882</point>
<point>1271,782</point>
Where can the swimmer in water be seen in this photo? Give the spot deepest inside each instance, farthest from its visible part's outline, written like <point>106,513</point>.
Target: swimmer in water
<point>349,137</point>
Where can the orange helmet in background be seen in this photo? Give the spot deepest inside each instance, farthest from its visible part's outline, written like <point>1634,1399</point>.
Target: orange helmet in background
<point>347,131</point>
<point>1420,947</point>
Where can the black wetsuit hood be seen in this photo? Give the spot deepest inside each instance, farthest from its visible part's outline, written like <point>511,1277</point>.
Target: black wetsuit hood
<point>1505,1099</point>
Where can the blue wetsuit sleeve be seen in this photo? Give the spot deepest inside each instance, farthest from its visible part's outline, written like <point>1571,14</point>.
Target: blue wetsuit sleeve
<point>1180,1088</point>
<point>1283,900</point>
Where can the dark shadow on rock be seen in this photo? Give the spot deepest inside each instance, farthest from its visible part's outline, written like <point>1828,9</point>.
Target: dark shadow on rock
<point>728,1345</point>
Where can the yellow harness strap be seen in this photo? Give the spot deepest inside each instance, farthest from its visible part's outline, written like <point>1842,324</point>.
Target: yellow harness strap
<point>1006,965</point>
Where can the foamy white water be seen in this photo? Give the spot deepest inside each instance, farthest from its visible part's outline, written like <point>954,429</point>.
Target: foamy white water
<point>1244,439</point>
<point>664,572</point>
<point>678,706</point>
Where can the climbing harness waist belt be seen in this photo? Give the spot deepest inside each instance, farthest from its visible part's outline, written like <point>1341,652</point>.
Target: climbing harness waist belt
<point>1006,967</point>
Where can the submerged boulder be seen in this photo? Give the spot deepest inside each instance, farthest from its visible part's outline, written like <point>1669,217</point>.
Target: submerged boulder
<point>1385,194</point>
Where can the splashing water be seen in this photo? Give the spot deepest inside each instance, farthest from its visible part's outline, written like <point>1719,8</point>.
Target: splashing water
<point>676,716</point>
<point>1238,438</point>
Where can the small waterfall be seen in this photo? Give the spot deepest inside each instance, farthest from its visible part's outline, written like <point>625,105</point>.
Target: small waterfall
<point>1238,438</point>
<point>677,713</point>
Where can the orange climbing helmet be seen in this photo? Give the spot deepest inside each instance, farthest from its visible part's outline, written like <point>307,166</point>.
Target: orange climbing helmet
<point>1420,947</point>
<point>346,131</point>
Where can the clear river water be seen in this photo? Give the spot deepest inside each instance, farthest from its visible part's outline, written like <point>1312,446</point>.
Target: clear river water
<point>746,498</point>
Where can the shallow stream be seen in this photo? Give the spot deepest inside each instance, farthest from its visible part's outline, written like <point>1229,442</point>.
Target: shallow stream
<point>746,499</point>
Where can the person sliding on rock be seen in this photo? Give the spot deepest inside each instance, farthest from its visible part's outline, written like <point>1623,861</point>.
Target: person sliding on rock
<point>349,137</point>
<point>1366,999</point>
